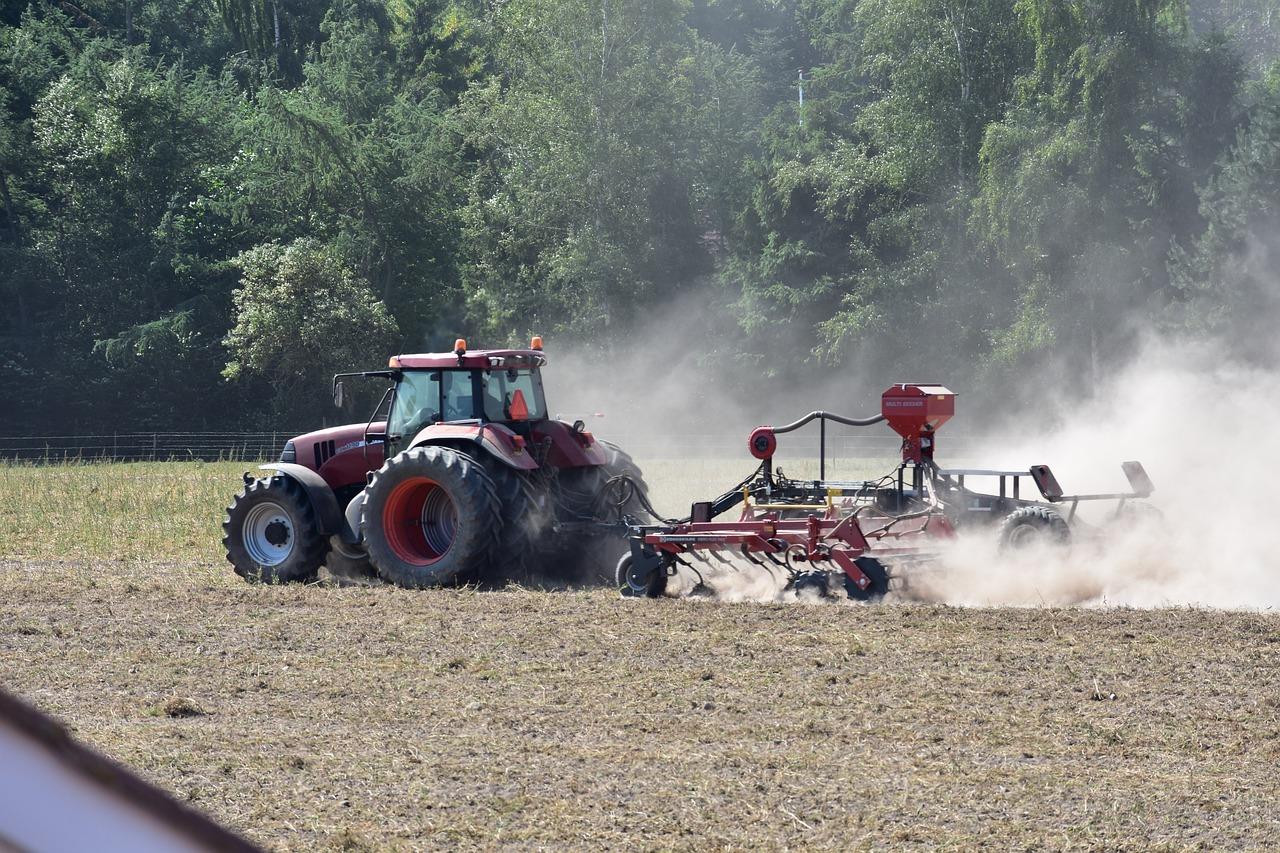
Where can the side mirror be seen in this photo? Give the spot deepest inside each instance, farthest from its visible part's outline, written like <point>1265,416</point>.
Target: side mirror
<point>338,393</point>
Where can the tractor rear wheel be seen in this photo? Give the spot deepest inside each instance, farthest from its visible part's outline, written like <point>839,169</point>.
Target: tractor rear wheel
<point>526,521</point>
<point>585,493</point>
<point>878,575</point>
<point>270,532</point>
<point>1033,525</point>
<point>431,518</point>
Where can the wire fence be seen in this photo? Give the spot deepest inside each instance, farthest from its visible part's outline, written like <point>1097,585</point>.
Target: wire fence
<point>145,447</point>
<point>263,446</point>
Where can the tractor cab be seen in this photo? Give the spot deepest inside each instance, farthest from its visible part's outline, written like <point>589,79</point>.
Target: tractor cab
<point>511,396</point>
<point>483,387</point>
<point>493,397</point>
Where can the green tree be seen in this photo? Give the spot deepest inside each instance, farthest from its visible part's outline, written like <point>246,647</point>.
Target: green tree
<point>859,216</point>
<point>373,172</point>
<point>1090,179</point>
<point>300,316</point>
<point>1226,278</point>
<point>593,192</point>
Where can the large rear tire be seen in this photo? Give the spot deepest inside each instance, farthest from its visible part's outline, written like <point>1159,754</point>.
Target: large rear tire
<point>431,518</point>
<point>270,532</point>
<point>526,525</point>
<point>586,495</point>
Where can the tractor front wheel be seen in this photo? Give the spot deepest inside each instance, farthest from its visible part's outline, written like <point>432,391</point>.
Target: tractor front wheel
<point>270,532</point>
<point>431,517</point>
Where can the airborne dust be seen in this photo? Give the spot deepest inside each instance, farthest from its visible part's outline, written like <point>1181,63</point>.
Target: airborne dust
<point>1200,423</point>
<point>1198,420</point>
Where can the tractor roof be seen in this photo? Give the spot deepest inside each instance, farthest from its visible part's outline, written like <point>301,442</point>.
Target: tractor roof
<point>470,359</point>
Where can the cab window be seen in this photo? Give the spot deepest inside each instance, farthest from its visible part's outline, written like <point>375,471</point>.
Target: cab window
<point>500,390</point>
<point>417,403</point>
<point>459,399</point>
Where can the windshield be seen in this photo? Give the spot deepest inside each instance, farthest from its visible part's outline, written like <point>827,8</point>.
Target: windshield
<point>513,395</point>
<point>424,397</point>
<point>427,397</point>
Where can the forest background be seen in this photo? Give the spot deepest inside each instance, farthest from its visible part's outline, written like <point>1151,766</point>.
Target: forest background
<point>207,206</point>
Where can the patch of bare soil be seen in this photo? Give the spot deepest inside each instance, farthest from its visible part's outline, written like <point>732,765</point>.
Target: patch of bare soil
<point>331,717</point>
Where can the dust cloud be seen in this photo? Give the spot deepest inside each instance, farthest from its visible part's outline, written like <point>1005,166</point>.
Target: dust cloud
<point>1200,423</point>
<point>681,377</point>
<point>1198,418</point>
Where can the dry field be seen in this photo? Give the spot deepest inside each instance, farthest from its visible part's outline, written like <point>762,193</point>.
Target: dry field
<point>324,717</point>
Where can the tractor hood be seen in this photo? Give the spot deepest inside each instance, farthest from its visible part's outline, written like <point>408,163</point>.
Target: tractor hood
<point>339,454</point>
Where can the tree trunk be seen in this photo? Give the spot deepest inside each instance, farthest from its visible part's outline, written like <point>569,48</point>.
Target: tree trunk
<point>10,215</point>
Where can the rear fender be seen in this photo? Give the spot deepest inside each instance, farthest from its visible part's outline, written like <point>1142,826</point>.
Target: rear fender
<point>498,441</point>
<point>321,497</point>
<point>570,449</point>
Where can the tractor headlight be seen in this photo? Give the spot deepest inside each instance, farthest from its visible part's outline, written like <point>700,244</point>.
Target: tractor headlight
<point>290,453</point>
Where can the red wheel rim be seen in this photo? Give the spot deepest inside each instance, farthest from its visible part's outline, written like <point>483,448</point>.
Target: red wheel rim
<point>420,521</point>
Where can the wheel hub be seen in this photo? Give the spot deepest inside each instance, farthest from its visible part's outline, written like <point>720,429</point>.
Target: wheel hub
<point>268,534</point>
<point>1024,536</point>
<point>277,533</point>
<point>420,521</point>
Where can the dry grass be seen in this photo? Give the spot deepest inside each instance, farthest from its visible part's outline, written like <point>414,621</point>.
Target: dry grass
<point>319,717</point>
<point>172,510</point>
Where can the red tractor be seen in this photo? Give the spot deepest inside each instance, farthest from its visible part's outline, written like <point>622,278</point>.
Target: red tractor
<point>460,475</point>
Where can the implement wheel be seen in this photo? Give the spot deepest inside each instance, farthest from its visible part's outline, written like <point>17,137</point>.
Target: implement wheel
<point>270,532</point>
<point>1031,526</point>
<point>431,518</point>
<point>879,585</point>
<point>638,581</point>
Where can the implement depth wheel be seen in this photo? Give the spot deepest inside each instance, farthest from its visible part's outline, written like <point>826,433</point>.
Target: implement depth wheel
<point>879,585</point>
<point>431,518</point>
<point>1031,526</point>
<point>270,533</point>
<point>640,581</point>
<point>349,564</point>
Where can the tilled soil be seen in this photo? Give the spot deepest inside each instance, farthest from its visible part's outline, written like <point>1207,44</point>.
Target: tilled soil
<point>319,716</point>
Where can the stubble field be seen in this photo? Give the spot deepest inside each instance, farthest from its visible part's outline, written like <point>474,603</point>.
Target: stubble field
<point>326,717</point>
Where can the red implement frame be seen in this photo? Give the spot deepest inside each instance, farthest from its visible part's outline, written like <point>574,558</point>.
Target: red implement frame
<point>826,542</point>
